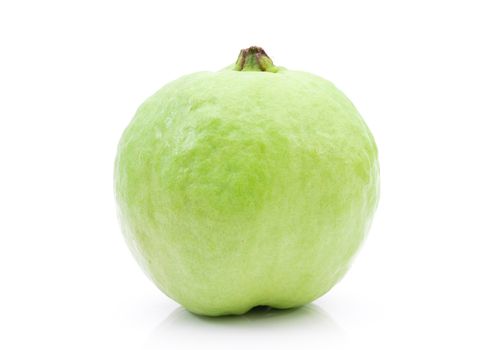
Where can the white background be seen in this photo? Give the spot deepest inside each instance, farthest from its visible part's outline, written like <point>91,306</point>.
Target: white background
<point>73,73</point>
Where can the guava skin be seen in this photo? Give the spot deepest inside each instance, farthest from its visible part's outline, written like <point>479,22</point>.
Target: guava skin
<point>245,188</point>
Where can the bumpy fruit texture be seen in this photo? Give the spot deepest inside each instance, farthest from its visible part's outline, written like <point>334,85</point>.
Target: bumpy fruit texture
<point>245,188</point>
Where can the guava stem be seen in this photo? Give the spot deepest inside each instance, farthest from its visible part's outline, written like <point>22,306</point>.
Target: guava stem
<point>254,59</point>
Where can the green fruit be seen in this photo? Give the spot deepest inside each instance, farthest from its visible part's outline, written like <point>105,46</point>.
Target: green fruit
<point>254,185</point>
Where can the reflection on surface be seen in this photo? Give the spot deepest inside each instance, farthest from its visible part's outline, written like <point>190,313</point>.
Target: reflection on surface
<point>260,327</point>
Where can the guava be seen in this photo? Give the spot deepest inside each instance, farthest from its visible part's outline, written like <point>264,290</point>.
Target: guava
<point>251,186</point>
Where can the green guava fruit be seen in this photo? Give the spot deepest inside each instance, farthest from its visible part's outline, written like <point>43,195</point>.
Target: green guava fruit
<point>254,185</point>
